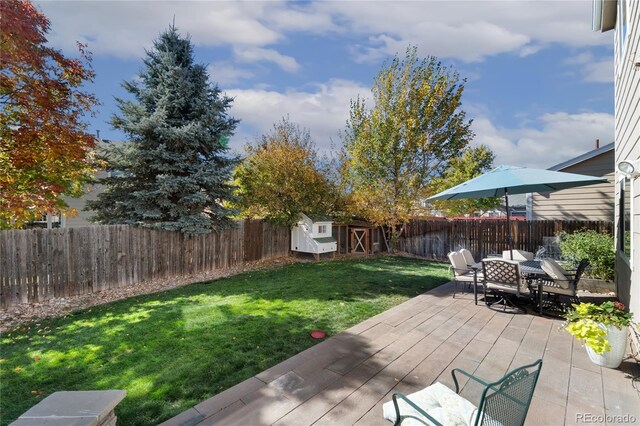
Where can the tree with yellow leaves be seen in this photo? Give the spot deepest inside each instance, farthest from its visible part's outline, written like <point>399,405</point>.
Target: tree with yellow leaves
<point>408,137</point>
<point>282,177</point>
<point>473,162</point>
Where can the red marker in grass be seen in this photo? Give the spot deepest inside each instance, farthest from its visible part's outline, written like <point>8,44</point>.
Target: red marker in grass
<point>318,334</point>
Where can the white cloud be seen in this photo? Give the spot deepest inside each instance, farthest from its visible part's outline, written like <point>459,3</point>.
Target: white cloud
<point>531,49</point>
<point>579,59</point>
<point>470,42</point>
<point>466,30</point>
<point>296,17</point>
<point>599,71</point>
<point>125,28</point>
<point>258,54</point>
<point>593,70</point>
<point>323,110</point>
<point>555,138</point>
<point>225,73</point>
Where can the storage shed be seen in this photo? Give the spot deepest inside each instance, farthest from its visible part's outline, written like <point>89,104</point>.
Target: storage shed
<point>313,234</point>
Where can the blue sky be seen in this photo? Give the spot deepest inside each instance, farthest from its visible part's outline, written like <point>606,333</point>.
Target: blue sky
<point>539,89</point>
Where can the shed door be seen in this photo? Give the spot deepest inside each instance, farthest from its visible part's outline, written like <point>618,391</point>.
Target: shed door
<point>359,240</point>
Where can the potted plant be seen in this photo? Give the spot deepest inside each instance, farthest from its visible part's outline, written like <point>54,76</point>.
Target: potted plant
<point>602,328</point>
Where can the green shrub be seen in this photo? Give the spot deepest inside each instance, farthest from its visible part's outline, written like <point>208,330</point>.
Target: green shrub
<point>592,245</point>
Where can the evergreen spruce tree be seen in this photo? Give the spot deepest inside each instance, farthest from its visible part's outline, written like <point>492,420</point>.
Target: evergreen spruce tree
<point>174,172</point>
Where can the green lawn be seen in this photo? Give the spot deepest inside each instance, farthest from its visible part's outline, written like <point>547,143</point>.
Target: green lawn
<point>174,349</point>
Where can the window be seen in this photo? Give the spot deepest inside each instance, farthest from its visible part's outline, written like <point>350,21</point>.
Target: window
<point>624,219</point>
<point>622,27</point>
<point>322,229</point>
<point>116,173</point>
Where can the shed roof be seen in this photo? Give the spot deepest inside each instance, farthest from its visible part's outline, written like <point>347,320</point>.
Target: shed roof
<point>318,218</point>
<point>325,240</point>
<point>584,157</point>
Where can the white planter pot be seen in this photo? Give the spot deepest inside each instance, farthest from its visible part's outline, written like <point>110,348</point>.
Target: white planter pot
<point>617,338</point>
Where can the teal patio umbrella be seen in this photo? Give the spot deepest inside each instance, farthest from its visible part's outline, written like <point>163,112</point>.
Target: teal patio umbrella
<point>505,180</point>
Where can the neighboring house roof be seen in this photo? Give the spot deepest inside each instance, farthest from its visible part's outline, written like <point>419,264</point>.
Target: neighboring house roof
<point>583,157</point>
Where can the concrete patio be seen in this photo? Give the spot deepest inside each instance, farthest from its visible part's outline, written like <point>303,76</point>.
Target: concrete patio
<point>346,379</point>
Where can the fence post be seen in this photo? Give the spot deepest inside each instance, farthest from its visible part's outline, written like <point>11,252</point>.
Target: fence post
<point>481,239</point>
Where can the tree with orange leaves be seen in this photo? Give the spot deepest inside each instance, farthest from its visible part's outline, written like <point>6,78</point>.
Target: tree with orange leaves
<point>45,151</point>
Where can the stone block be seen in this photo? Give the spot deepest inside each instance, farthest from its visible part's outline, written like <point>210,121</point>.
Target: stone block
<point>74,408</point>
<point>56,421</point>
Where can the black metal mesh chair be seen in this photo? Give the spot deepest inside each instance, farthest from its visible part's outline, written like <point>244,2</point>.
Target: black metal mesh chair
<point>507,401</point>
<point>503,279</point>
<point>502,403</point>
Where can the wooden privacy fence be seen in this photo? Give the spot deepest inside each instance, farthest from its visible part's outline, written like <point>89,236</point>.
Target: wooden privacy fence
<point>436,238</point>
<point>41,264</point>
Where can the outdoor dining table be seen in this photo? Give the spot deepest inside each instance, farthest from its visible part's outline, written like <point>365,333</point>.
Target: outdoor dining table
<point>532,270</point>
<point>529,269</point>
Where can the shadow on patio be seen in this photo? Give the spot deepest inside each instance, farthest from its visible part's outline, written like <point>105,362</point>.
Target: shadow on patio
<point>346,379</point>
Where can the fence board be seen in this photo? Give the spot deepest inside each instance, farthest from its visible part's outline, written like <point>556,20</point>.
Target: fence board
<point>52,271</point>
<point>10,280</point>
<point>254,241</point>
<point>436,238</point>
<point>40,264</point>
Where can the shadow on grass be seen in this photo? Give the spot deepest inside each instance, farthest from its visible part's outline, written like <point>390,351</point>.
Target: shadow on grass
<point>174,349</point>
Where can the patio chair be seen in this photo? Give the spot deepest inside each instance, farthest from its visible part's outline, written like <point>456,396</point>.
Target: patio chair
<point>461,272</point>
<point>468,257</point>
<point>502,278</point>
<point>504,402</point>
<point>559,282</point>
<point>517,255</point>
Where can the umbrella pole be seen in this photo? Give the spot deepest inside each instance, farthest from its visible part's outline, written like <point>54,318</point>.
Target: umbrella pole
<point>506,202</point>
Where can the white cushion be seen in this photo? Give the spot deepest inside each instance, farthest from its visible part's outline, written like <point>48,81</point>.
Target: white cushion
<point>468,257</point>
<point>487,419</point>
<point>439,401</point>
<point>466,278</point>
<point>458,262</point>
<point>552,269</point>
<point>517,255</point>
<point>501,287</point>
<point>557,265</point>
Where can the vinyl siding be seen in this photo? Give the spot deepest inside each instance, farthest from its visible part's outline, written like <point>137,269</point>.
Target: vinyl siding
<point>627,137</point>
<point>79,204</point>
<point>593,202</point>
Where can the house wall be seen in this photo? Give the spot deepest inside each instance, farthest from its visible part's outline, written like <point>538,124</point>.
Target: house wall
<point>593,202</point>
<point>82,217</point>
<point>627,139</point>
